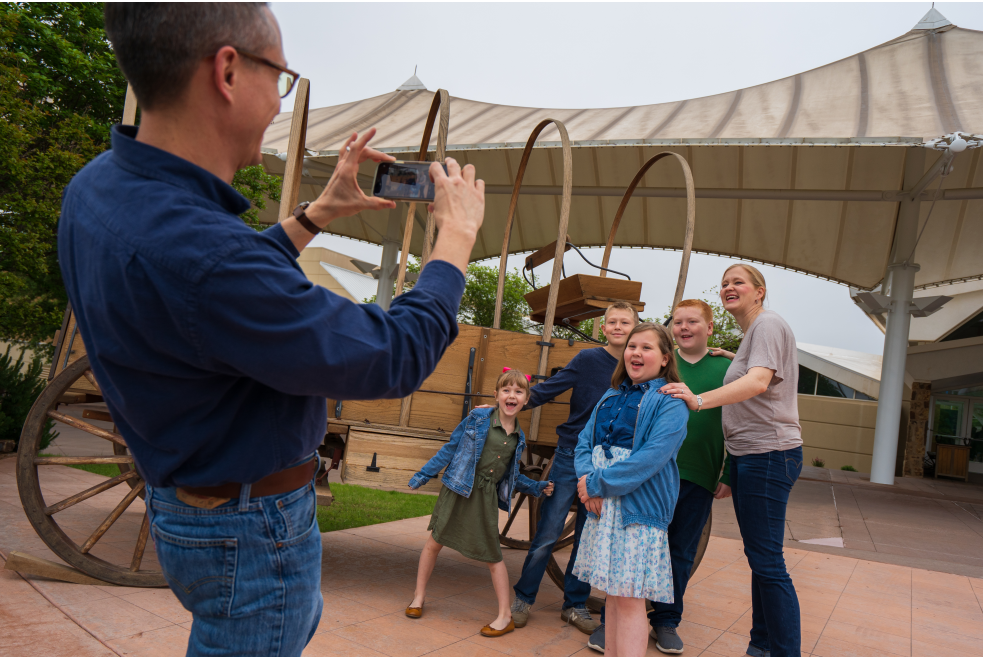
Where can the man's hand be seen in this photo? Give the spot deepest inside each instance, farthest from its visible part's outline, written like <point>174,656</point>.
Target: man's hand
<point>458,210</point>
<point>342,197</point>
<point>723,491</point>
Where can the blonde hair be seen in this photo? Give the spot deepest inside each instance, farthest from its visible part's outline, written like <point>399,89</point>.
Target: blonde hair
<point>512,377</point>
<point>670,372</point>
<point>705,309</point>
<point>621,306</point>
<point>757,279</point>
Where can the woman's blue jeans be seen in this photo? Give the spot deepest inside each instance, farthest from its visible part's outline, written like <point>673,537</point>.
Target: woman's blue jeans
<point>552,517</point>
<point>249,571</point>
<point>761,485</point>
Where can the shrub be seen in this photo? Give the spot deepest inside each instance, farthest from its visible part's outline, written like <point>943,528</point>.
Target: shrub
<point>818,462</point>
<point>848,468</point>
<point>19,388</point>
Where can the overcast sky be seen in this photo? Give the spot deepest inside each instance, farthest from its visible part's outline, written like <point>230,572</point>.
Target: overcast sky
<point>586,55</point>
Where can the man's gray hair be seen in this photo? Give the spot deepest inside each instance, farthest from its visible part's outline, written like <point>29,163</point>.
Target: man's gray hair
<point>158,45</point>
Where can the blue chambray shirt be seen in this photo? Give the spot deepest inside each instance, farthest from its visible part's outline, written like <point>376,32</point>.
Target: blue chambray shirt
<point>616,416</point>
<point>213,350</point>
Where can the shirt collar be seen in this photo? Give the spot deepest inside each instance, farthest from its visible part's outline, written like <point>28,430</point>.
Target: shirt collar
<point>628,386</point>
<point>151,162</point>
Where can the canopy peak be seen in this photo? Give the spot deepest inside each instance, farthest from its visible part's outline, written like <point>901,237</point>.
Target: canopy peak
<point>933,20</point>
<point>413,84</point>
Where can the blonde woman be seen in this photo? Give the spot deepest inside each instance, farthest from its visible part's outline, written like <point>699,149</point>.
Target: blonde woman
<point>764,440</point>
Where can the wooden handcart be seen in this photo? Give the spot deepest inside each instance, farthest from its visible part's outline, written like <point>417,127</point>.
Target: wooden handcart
<point>378,443</point>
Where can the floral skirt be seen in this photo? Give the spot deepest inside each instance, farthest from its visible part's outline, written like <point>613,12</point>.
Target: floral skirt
<point>630,561</point>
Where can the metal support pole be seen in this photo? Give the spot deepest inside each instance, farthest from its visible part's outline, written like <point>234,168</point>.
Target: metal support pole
<point>902,282</point>
<point>390,250</point>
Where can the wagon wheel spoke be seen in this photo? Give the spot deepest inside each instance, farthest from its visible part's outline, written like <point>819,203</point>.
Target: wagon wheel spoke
<point>92,380</point>
<point>86,427</point>
<point>112,518</point>
<point>89,493</point>
<point>141,544</point>
<point>68,461</point>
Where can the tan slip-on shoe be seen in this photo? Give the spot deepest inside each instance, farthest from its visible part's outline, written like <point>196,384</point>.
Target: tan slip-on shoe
<point>488,631</point>
<point>414,613</point>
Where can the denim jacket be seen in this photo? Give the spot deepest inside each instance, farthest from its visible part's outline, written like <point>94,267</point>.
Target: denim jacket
<point>461,454</point>
<point>648,481</point>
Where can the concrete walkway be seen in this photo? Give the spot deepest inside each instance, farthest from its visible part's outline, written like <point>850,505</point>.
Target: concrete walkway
<point>850,606</point>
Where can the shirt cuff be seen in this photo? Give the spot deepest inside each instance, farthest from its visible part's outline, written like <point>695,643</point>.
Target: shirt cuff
<point>442,279</point>
<point>592,489</point>
<point>277,233</point>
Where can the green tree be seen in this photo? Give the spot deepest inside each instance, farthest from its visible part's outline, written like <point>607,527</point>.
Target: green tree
<point>259,187</point>
<point>60,91</point>
<point>19,388</point>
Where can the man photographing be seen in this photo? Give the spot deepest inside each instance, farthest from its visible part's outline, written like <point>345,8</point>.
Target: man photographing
<point>213,351</point>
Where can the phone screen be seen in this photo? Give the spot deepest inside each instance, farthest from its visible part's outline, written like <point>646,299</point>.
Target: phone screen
<point>407,181</point>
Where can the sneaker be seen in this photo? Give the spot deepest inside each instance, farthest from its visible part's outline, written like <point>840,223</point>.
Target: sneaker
<point>666,639</point>
<point>580,617</point>
<point>520,612</point>
<point>596,641</point>
<point>756,652</point>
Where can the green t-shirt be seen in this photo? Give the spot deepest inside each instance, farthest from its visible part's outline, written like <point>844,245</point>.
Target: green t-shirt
<point>702,453</point>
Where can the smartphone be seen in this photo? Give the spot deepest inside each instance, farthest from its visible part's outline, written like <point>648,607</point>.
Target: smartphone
<point>404,181</point>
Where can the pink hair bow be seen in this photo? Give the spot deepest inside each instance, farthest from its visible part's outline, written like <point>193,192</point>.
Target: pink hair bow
<point>528,377</point>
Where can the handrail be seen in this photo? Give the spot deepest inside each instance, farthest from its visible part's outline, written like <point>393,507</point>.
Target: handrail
<point>441,101</point>
<point>557,256</point>
<point>690,221</point>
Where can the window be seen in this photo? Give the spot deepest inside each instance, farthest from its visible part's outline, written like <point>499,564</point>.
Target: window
<point>972,328</point>
<point>814,383</point>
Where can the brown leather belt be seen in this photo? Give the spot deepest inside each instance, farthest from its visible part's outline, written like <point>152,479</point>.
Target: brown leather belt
<point>273,484</point>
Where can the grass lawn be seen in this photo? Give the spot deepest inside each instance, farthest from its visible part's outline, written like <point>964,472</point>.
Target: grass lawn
<point>356,506</point>
<point>353,506</point>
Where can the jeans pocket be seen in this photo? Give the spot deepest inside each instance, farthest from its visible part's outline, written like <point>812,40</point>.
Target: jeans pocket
<point>296,511</point>
<point>200,571</point>
<point>793,468</point>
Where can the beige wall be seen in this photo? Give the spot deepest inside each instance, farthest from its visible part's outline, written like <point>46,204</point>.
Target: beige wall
<point>839,431</point>
<point>310,262</point>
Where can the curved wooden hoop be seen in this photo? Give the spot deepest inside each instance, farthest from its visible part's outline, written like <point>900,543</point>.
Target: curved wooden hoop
<point>690,221</point>
<point>564,220</point>
<point>441,101</point>
<point>557,257</point>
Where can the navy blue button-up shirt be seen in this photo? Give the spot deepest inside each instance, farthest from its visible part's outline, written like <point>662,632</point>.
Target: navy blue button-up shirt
<point>615,424</point>
<point>213,350</point>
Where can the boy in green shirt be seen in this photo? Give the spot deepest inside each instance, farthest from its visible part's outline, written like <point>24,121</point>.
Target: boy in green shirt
<point>700,461</point>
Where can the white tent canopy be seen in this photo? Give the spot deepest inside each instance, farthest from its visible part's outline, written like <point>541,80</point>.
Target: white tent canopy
<point>802,173</point>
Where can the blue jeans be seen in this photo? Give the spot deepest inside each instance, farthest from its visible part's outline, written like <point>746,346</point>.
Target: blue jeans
<point>249,570</point>
<point>688,519</point>
<point>552,517</point>
<point>761,485</point>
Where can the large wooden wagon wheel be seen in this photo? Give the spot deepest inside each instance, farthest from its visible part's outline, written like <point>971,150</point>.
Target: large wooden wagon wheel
<point>43,514</point>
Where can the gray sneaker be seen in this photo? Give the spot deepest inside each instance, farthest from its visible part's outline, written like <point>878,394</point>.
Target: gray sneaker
<point>666,639</point>
<point>580,617</point>
<point>520,612</point>
<point>596,641</point>
<point>756,652</point>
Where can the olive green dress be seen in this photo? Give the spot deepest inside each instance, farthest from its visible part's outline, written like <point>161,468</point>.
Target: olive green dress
<point>470,525</point>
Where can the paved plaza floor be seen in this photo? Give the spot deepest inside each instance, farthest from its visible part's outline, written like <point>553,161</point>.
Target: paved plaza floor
<point>862,599</point>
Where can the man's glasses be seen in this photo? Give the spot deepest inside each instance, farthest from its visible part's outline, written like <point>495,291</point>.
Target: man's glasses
<point>287,79</point>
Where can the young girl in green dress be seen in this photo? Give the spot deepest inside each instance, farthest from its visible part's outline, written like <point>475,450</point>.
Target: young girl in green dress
<point>482,460</point>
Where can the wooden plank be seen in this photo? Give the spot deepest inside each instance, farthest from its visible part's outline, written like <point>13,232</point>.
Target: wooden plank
<point>544,255</point>
<point>394,430</point>
<point>86,427</point>
<point>392,479</point>
<point>27,564</point>
<point>383,412</point>
<point>295,149</point>
<point>94,414</point>
<point>337,428</point>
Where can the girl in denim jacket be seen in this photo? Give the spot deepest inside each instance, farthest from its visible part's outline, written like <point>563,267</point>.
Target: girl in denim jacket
<point>628,480</point>
<point>482,460</point>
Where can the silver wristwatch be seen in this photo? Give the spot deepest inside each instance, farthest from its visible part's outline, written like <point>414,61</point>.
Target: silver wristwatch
<point>699,403</point>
